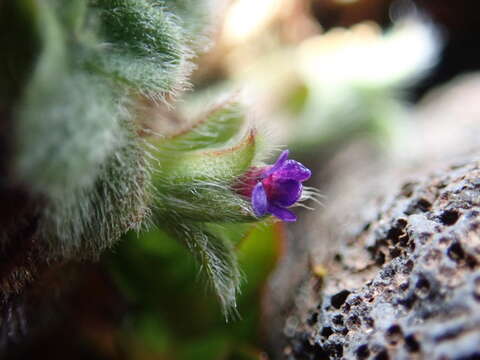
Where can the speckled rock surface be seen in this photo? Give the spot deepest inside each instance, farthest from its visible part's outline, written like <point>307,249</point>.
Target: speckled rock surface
<point>417,264</point>
<point>394,257</point>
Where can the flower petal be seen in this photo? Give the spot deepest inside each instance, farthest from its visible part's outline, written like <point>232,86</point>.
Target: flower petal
<point>284,192</point>
<point>259,200</point>
<point>282,213</point>
<point>278,164</point>
<point>292,169</point>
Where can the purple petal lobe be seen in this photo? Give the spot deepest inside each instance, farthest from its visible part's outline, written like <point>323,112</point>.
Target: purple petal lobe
<point>285,192</point>
<point>278,164</point>
<point>292,169</point>
<point>282,213</point>
<point>259,200</point>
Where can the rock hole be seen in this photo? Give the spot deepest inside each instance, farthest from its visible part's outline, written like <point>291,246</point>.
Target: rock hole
<point>380,258</point>
<point>404,286</point>
<point>408,267</point>
<point>394,234</point>
<point>394,334</point>
<point>422,285</point>
<point>334,350</point>
<point>366,227</point>
<point>474,226</point>
<point>383,355</point>
<point>357,300</point>
<point>449,217</point>
<point>471,261</point>
<point>409,301</point>
<point>411,246</point>
<point>339,298</point>
<point>354,322</point>
<point>456,252</point>
<point>338,320</point>
<point>394,330</point>
<point>370,322</point>
<point>395,252</point>
<point>326,332</point>
<point>423,205</point>
<point>313,319</point>
<point>411,343</point>
<point>407,189</point>
<point>362,352</point>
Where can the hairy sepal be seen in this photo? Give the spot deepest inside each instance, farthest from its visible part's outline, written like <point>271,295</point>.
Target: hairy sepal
<point>198,184</point>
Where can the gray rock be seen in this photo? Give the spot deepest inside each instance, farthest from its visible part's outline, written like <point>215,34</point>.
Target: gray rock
<point>401,253</point>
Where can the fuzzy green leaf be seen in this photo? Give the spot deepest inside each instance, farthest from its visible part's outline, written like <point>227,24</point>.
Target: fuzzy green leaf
<point>91,219</point>
<point>217,259</point>
<point>75,146</point>
<point>145,47</point>
<point>213,130</point>
<point>194,15</point>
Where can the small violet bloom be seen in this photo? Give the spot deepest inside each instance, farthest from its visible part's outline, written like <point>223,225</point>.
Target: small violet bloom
<point>276,187</point>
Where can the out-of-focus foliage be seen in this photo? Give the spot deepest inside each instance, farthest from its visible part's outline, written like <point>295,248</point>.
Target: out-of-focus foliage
<point>172,315</point>
<point>323,88</point>
<point>352,80</point>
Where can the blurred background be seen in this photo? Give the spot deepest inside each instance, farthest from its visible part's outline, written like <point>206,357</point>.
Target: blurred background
<point>317,75</point>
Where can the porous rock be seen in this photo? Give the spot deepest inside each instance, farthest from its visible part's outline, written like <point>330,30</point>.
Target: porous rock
<point>393,260</point>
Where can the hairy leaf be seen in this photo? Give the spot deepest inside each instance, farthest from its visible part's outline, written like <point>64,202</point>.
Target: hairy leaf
<point>217,260</point>
<point>144,47</point>
<point>213,130</point>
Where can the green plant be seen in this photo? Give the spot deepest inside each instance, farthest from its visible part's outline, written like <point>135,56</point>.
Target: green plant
<point>73,82</point>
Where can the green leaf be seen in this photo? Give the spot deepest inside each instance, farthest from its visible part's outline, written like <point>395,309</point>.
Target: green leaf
<point>211,131</point>
<point>146,49</point>
<point>67,128</point>
<point>195,15</point>
<point>216,257</point>
<point>89,220</point>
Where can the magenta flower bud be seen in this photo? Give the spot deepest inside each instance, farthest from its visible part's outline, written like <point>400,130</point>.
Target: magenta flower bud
<point>275,188</point>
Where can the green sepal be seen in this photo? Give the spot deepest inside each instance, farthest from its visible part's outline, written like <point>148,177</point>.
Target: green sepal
<point>222,165</point>
<point>205,202</point>
<point>199,184</point>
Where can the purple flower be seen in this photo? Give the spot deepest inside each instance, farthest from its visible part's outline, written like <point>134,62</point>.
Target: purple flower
<point>278,186</point>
